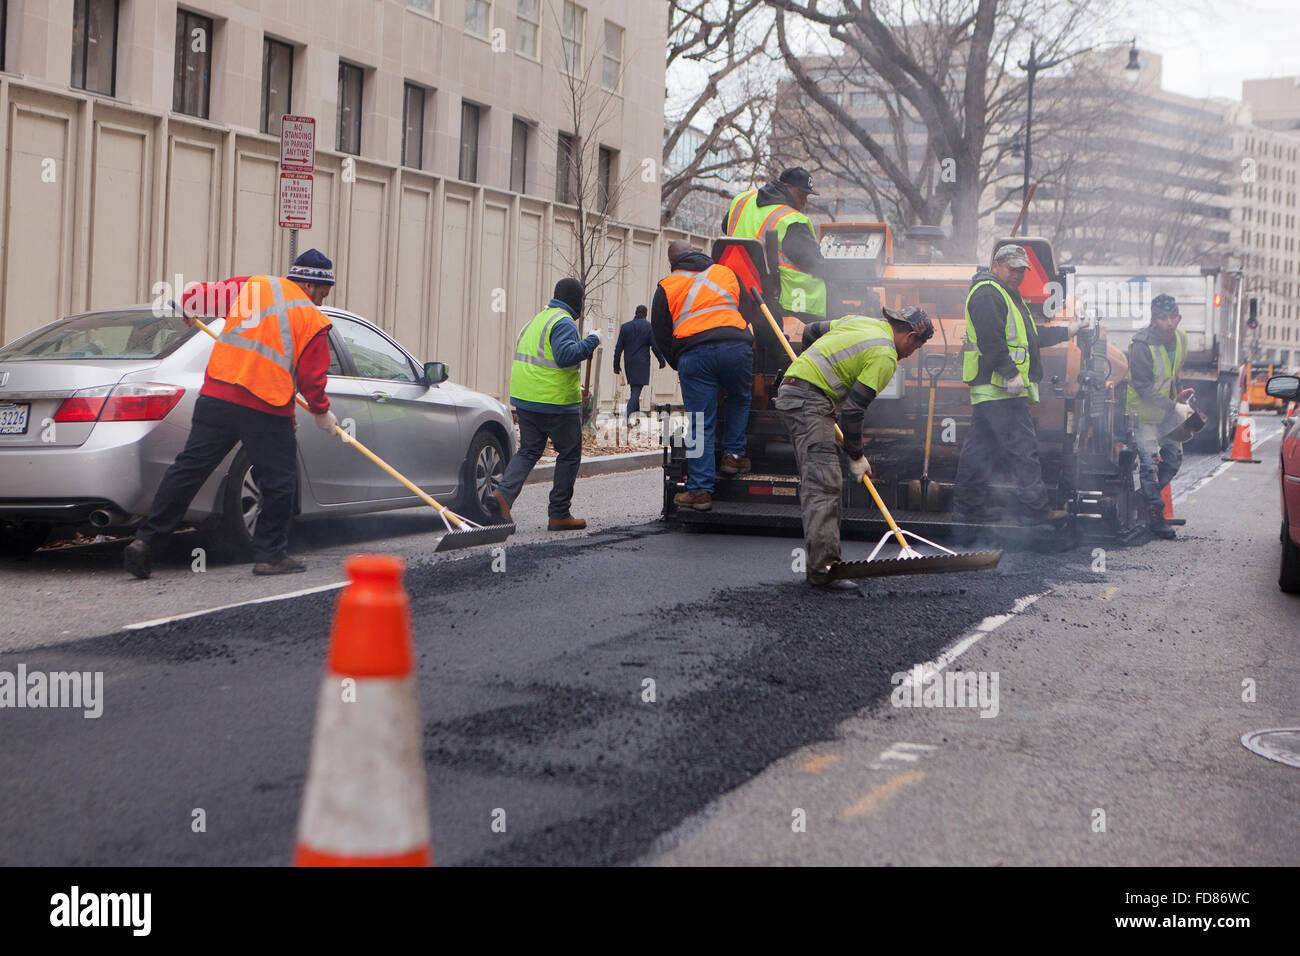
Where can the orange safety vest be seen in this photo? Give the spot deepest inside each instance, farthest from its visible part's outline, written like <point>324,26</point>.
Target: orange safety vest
<point>269,325</point>
<point>704,300</point>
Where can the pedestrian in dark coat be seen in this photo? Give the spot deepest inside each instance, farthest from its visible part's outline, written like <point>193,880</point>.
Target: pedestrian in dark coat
<point>636,339</point>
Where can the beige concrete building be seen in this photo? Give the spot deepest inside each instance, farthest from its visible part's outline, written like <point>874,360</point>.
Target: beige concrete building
<point>140,142</point>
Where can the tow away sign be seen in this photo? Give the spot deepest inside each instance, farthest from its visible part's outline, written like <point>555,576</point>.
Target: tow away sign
<point>295,200</point>
<point>298,143</point>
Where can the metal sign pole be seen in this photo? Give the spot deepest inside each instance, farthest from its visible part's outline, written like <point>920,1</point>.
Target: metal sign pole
<point>293,245</point>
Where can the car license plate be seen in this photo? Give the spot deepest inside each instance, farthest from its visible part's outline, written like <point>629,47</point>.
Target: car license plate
<point>13,418</point>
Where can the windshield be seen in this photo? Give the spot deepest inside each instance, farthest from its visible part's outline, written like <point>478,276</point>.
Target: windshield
<point>103,335</point>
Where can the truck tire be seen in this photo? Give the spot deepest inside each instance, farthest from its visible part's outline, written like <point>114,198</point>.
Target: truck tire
<point>1289,577</point>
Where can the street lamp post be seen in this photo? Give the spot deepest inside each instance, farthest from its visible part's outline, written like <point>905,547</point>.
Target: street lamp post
<point>1031,68</point>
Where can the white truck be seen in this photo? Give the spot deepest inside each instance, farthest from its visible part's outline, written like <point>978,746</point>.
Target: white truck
<point>1120,297</point>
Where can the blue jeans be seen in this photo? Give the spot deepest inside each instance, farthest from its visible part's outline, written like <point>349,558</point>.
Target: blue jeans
<point>705,369</point>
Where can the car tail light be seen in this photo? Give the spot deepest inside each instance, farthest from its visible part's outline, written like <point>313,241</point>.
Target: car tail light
<point>134,402</point>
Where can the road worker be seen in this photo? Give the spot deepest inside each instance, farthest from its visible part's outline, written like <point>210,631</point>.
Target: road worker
<point>1001,363</point>
<point>846,365</point>
<point>695,316</point>
<point>546,391</point>
<point>1158,407</point>
<point>778,206</point>
<point>273,345</point>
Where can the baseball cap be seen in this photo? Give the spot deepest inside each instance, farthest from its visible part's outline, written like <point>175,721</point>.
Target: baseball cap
<point>1163,304</point>
<point>1013,256</point>
<point>917,320</point>
<point>799,178</point>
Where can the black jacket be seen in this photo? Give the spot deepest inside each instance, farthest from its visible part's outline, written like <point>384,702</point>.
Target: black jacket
<point>636,338</point>
<point>1142,370</point>
<point>988,313</point>
<point>661,318</point>
<point>799,245</point>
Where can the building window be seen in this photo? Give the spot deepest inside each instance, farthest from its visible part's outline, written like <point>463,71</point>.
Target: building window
<point>193,83</point>
<point>424,6</point>
<point>478,17</point>
<point>4,30</point>
<point>469,125</point>
<point>351,80</point>
<point>277,84</point>
<point>573,27</point>
<point>528,23</point>
<point>611,73</point>
<point>94,46</point>
<point>519,156</point>
<point>565,157</point>
<point>605,182</point>
<point>413,127</point>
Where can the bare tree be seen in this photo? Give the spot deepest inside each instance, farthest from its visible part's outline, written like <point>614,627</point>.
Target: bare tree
<point>948,66</point>
<point>720,133</point>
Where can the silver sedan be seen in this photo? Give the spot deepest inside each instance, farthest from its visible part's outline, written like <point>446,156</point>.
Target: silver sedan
<point>94,407</point>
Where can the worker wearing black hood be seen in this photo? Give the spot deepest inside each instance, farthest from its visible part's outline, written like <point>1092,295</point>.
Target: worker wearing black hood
<point>546,391</point>
<point>697,323</point>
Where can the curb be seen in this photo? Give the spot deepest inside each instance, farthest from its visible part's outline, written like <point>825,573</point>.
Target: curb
<point>604,465</point>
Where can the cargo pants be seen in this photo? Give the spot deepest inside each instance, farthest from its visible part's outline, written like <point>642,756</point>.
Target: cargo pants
<point>809,417</point>
<point>1158,461</point>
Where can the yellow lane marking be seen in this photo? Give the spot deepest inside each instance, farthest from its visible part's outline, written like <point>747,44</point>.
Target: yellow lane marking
<point>1110,592</point>
<point>882,793</point>
<point>817,763</point>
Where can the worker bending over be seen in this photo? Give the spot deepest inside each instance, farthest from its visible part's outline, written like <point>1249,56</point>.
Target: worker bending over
<point>1155,359</point>
<point>848,362</point>
<point>273,344</point>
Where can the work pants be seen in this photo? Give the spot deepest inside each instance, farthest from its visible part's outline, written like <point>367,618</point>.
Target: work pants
<point>633,401</point>
<point>565,432</point>
<point>1158,462</point>
<point>809,416</point>
<point>704,369</point>
<point>216,427</point>
<point>1001,435</point>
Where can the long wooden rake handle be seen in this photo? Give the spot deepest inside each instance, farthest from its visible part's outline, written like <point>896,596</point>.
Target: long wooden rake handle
<point>839,435</point>
<point>444,512</point>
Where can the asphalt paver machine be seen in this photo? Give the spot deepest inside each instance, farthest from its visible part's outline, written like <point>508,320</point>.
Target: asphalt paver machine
<point>914,429</point>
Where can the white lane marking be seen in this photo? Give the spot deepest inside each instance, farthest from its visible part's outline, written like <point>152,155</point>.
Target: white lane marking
<point>226,607</point>
<point>902,750</point>
<point>968,640</point>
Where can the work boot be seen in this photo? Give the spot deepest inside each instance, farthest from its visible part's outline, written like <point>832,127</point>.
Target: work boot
<point>817,578</point>
<point>497,502</point>
<point>699,500</point>
<point>567,523</point>
<point>1160,528</point>
<point>281,565</point>
<point>1049,516</point>
<point>138,558</point>
<point>734,465</point>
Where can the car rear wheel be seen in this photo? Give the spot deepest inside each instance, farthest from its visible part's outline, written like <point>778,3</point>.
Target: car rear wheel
<point>241,504</point>
<point>485,465</point>
<point>17,540</point>
<point>1289,578</point>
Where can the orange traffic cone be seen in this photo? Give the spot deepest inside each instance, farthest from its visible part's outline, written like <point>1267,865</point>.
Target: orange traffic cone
<point>1241,439</point>
<point>365,804</point>
<point>1168,498</point>
<point>1290,410</point>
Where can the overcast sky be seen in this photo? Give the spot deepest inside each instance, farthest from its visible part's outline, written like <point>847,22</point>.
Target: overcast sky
<point>1210,46</point>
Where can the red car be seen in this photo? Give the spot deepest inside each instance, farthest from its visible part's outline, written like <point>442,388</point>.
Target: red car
<point>1287,388</point>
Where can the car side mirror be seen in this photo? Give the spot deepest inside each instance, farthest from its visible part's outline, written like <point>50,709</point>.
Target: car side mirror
<point>1284,386</point>
<point>435,373</point>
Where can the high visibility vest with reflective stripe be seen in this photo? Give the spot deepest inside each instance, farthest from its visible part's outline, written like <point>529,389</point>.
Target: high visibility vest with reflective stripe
<point>1017,345</point>
<point>1166,377</point>
<point>857,348</point>
<point>800,291</point>
<point>704,300</point>
<point>535,376</point>
<point>265,332</point>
